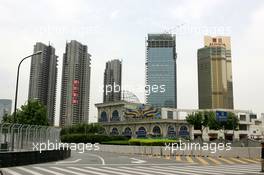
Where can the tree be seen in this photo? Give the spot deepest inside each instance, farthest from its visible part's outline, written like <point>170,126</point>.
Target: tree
<point>32,113</point>
<point>212,122</point>
<point>231,123</point>
<point>201,120</point>
<point>7,118</point>
<point>198,120</point>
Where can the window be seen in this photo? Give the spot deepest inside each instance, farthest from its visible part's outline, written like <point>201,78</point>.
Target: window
<point>242,127</point>
<point>103,117</point>
<point>170,114</point>
<point>253,116</point>
<point>243,117</point>
<point>115,116</point>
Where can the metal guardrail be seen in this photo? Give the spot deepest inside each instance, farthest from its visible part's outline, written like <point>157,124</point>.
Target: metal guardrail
<point>25,135</point>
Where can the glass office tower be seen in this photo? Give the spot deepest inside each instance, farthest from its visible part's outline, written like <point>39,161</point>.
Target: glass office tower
<point>161,82</point>
<point>215,82</point>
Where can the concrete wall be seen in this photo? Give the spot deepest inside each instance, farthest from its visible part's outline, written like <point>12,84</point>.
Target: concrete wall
<point>246,152</point>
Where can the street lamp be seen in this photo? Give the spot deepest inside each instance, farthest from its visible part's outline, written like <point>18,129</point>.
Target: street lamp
<point>15,108</point>
<point>18,69</point>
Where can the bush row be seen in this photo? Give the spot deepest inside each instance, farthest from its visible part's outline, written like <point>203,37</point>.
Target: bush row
<point>83,129</point>
<point>89,138</point>
<point>151,142</point>
<point>116,142</point>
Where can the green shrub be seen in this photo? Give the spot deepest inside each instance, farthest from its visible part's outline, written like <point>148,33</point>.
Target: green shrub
<point>151,142</point>
<point>89,138</point>
<point>83,129</point>
<point>116,142</point>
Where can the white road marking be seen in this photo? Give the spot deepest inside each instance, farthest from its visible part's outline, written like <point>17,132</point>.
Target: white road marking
<point>9,171</point>
<point>190,171</point>
<point>67,171</point>
<point>48,171</point>
<point>168,170</point>
<point>87,171</point>
<point>148,171</point>
<point>134,169</point>
<point>127,171</point>
<point>218,169</point>
<point>99,157</point>
<point>134,160</point>
<point>66,162</point>
<point>29,171</point>
<point>107,171</point>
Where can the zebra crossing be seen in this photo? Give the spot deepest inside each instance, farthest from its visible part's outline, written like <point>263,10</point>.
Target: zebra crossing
<point>212,160</point>
<point>246,169</point>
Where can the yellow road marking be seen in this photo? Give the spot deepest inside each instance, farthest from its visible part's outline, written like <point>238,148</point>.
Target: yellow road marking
<point>215,161</point>
<point>167,157</point>
<point>189,159</point>
<point>226,161</point>
<point>250,160</point>
<point>178,158</point>
<point>202,161</point>
<point>238,160</point>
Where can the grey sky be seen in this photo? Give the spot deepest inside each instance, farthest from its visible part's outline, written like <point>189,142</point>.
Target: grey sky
<point>117,29</point>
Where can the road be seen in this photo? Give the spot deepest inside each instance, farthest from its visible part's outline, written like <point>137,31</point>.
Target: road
<point>103,163</point>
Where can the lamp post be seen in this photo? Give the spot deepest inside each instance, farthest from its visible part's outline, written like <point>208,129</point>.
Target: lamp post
<point>15,107</point>
<point>18,70</point>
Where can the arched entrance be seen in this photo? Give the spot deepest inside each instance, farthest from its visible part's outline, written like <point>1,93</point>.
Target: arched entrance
<point>171,132</point>
<point>141,132</point>
<point>127,132</point>
<point>114,132</point>
<point>156,131</point>
<point>183,132</point>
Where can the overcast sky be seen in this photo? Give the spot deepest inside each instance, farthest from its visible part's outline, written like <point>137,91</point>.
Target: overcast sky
<point>116,29</point>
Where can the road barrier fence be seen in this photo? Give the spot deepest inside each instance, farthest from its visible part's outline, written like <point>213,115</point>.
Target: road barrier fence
<point>23,136</point>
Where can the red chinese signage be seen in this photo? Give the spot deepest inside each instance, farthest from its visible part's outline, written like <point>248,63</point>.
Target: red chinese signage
<point>75,91</point>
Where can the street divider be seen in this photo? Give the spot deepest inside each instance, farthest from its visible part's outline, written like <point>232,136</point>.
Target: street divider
<point>245,152</point>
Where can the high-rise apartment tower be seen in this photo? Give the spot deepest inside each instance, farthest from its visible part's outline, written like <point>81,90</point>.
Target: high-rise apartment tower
<point>112,81</point>
<point>75,86</point>
<point>43,78</point>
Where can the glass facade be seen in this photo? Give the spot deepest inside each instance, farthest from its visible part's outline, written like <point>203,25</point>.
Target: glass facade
<point>161,71</point>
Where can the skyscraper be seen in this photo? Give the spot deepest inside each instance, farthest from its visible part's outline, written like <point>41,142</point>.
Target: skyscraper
<point>43,78</point>
<point>215,73</point>
<point>75,86</point>
<point>5,107</point>
<point>161,75</point>
<point>112,81</point>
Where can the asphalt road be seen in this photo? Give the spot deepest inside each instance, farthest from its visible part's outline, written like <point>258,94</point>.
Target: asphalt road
<point>103,163</point>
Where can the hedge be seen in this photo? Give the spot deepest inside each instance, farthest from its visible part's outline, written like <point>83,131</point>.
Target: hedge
<point>151,142</point>
<point>82,129</point>
<point>116,142</point>
<point>89,138</point>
